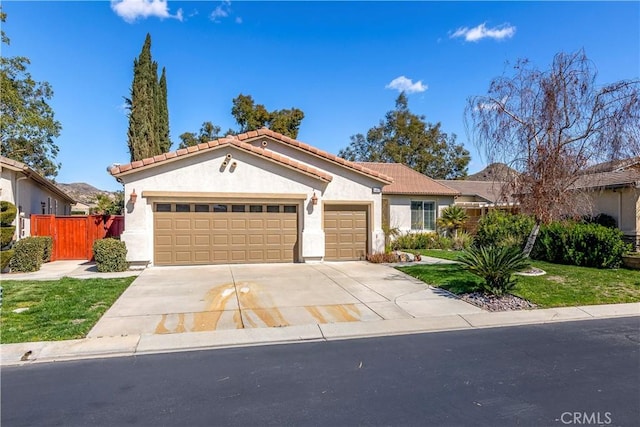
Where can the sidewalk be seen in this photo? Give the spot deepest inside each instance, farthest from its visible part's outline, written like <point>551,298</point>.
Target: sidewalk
<point>131,345</point>
<point>80,269</point>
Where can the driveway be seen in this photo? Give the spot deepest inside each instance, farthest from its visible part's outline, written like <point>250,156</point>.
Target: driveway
<point>166,300</point>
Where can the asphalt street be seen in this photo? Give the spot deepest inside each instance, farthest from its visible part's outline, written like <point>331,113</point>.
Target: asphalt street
<point>572,373</point>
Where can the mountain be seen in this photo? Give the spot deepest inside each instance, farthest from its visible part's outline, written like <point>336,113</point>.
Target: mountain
<point>493,172</point>
<point>83,192</point>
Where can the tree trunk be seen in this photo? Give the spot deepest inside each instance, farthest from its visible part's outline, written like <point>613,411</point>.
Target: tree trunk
<point>531,240</point>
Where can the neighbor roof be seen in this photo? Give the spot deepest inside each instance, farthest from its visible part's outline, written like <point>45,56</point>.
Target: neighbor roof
<point>616,179</point>
<point>409,181</point>
<point>241,141</point>
<point>488,190</point>
<point>29,172</point>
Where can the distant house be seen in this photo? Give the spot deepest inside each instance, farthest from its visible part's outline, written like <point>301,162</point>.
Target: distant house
<point>413,201</point>
<point>80,209</point>
<point>479,197</point>
<point>31,193</point>
<point>615,190</point>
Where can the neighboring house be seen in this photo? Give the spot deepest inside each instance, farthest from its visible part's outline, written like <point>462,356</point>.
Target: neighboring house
<point>31,193</point>
<point>80,209</point>
<point>616,192</point>
<point>413,201</point>
<point>478,197</point>
<point>254,197</point>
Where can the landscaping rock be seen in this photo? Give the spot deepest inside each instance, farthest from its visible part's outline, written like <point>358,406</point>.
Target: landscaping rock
<point>495,303</point>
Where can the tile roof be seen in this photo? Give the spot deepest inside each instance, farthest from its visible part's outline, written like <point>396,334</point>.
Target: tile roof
<point>488,190</point>
<point>408,181</point>
<point>242,141</point>
<point>19,166</point>
<point>620,178</point>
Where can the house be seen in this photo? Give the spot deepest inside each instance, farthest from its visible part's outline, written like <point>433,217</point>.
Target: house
<point>478,197</point>
<point>413,201</point>
<point>250,198</point>
<point>614,188</point>
<point>31,193</point>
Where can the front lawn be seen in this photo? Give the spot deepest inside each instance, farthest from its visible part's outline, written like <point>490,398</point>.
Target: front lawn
<point>563,285</point>
<point>57,309</point>
<point>436,253</point>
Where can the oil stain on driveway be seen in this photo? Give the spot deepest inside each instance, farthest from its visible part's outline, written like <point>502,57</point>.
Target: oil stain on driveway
<point>166,300</point>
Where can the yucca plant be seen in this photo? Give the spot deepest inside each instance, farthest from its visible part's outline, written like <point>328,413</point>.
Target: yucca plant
<point>495,265</point>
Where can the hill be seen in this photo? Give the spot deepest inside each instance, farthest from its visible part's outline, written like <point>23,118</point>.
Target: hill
<point>493,172</point>
<point>83,192</point>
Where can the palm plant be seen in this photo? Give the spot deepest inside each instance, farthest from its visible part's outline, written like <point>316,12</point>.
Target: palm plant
<point>452,219</point>
<point>495,265</point>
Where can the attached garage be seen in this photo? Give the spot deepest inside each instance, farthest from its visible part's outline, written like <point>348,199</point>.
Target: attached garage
<point>345,230</point>
<point>224,233</point>
<point>256,197</point>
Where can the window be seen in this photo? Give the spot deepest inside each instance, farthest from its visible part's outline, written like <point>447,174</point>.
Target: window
<point>220,208</point>
<point>163,207</point>
<point>290,209</point>
<point>255,208</point>
<point>423,215</point>
<point>183,208</point>
<point>273,208</point>
<point>202,208</point>
<point>237,208</point>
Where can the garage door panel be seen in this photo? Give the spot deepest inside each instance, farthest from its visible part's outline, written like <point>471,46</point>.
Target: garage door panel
<point>224,237</point>
<point>345,230</point>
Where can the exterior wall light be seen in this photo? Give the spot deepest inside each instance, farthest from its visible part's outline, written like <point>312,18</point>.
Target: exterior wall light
<point>133,197</point>
<point>314,199</point>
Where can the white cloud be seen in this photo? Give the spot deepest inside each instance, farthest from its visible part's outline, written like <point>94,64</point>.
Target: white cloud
<point>223,10</point>
<point>480,32</point>
<point>403,84</point>
<point>131,10</point>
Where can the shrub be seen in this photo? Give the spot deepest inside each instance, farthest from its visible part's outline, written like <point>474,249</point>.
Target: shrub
<point>110,255</point>
<point>499,228</point>
<point>428,240</point>
<point>381,257</point>
<point>602,219</point>
<point>8,212</point>
<point>495,264</point>
<point>28,254</point>
<point>462,240</point>
<point>452,219</point>
<point>5,258</point>
<point>47,243</point>
<point>6,235</point>
<point>587,245</point>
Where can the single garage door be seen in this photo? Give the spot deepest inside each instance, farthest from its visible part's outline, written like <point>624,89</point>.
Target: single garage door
<point>224,233</point>
<point>345,232</point>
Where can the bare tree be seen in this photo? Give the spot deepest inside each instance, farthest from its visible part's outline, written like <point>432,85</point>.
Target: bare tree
<point>550,125</point>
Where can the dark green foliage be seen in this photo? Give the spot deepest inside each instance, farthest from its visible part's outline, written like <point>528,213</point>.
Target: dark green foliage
<point>5,258</point>
<point>148,133</point>
<point>27,123</point>
<point>499,228</point>
<point>421,241</point>
<point>208,132</point>
<point>47,244</point>
<point>28,254</point>
<point>8,213</point>
<point>110,255</point>
<point>495,265</point>
<point>106,205</point>
<point>575,243</point>
<point>602,219</point>
<point>452,219</point>
<point>6,235</point>
<point>404,137</point>
<point>252,116</point>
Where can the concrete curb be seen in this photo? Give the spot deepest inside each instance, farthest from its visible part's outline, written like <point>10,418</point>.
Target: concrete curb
<point>131,345</point>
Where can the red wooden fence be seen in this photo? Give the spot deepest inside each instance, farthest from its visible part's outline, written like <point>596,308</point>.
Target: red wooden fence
<point>73,236</point>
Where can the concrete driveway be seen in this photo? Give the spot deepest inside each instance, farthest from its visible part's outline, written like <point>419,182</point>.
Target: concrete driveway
<point>166,300</point>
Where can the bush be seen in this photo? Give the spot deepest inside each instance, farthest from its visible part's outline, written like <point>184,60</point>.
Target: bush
<point>110,255</point>
<point>586,245</point>
<point>47,243</point>
<point>8,213</point>
<point>28,255</point>
<point>602,219</point>
<point>495,264</point>
<point>427,240</point>
<point>382,257</point>
<point>6,235</point>
<point>5,258</point>
<point>462,240</point>
<point>499,228</point>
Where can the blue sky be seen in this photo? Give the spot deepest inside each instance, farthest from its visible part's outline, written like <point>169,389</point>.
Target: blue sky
<point>337,61</point>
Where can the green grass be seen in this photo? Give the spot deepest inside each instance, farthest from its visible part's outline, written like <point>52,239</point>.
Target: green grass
<point>562,286</point>
<point>437,253</point>
<point>58,309</point>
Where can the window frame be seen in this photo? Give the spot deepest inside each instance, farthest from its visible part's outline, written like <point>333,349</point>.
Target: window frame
<point>423,215</point>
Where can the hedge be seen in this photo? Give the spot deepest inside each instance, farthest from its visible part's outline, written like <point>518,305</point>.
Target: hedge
<point>8,213</point>
<point>28,254</point>
<point>5,258</point>
<point>6,235</point>
<point>499,228</point>
<point>110,255</point>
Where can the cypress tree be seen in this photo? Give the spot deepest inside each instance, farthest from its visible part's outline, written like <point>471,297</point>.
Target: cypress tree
<point>148,133</point>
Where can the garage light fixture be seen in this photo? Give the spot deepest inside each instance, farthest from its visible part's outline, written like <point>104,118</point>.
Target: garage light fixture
<point>314,199</point>
<point>133,197</point>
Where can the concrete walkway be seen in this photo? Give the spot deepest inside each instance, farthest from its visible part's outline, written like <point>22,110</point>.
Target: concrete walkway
<point>55,270</point>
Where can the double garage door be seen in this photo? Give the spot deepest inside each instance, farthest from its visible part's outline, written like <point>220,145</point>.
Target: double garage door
<point>219,233</point>
<point>231,233</point>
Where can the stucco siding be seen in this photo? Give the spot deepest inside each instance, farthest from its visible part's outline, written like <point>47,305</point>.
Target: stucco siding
<point>400,209</point>
<point>621,204</point>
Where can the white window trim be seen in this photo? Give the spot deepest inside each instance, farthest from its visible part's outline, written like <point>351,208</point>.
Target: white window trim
<point>435,213</point>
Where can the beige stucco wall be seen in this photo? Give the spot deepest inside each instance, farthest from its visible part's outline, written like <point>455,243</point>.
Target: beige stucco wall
<point>623,204</point>
<point>28,195</point>
<point>400,209</point>
<point>252,174</point>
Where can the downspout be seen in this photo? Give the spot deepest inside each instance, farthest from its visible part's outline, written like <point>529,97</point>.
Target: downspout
<point>18,205</point>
